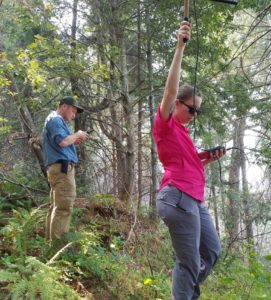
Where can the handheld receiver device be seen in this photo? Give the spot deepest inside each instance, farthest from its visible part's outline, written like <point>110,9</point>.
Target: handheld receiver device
<point>206,154</point>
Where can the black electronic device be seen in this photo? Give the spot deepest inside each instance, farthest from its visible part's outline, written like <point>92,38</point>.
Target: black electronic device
<point>213,150</point>
<point>206,154</point>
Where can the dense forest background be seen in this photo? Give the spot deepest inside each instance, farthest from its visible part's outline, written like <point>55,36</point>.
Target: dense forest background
<point>113,56</point>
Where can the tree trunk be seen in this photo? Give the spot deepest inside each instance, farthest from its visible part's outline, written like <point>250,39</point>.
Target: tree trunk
<point>214,202</point>
<point>27,124</point>
<point>140,113</point>
<point>233,195</point>
<point>128,173</point>
<point>245,195</point>
<point>154,163</point>
<point>125,147</point>
<point>80,121</point>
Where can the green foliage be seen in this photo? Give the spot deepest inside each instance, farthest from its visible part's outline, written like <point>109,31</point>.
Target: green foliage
<point>100,258</point>
<point>37,57</point>
<point>16,189</point>
<point>11,197</point>
<point>19,233</point>
<point>4,127</point>
<point>238,279</point>
<point>105,260</point>
<point>32,279</point>
<point>139,270</point>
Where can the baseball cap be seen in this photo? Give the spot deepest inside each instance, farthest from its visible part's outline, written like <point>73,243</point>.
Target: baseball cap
<point>70,101</point>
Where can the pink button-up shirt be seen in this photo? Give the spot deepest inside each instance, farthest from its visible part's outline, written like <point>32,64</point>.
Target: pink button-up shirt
<point>182,166</point>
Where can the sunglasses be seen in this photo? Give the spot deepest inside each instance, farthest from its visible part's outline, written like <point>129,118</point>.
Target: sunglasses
<point>192,110</point>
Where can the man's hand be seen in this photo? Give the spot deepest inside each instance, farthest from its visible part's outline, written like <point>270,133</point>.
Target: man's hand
<point>75,138</point>
<point>80,137</point>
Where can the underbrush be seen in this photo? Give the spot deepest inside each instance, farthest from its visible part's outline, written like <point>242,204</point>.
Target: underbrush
<point>109,254</point>
<point>239,278</point>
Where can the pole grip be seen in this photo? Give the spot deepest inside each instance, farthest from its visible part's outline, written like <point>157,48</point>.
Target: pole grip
<point>186,14</point>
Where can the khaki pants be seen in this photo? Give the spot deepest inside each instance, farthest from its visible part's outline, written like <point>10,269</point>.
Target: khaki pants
<point>62,194</point>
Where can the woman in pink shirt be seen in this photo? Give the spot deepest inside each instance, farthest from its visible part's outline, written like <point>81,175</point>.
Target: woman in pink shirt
<point>180,201</point>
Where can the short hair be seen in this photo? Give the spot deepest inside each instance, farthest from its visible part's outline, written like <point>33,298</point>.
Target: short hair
<point>187,92</point>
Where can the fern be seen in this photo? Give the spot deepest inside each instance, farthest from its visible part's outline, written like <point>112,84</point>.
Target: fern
<point>20,228</point>
<point>32,279</point>
<point>7,276</point>
<point>20,289</point>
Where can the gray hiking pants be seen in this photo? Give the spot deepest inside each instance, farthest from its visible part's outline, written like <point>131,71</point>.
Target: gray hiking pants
<point>194,239</point>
